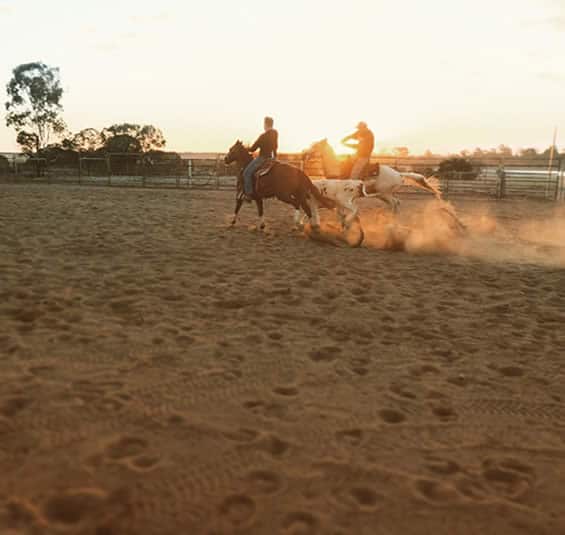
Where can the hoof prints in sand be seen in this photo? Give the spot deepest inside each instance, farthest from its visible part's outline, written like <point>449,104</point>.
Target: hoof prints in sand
<point>340,388</point>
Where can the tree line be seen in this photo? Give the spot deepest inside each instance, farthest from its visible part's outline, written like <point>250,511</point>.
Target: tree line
<point>501,152</point>
<point>34,109</point>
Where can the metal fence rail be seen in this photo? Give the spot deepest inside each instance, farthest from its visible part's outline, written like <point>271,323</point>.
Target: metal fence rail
<point>129,169</point>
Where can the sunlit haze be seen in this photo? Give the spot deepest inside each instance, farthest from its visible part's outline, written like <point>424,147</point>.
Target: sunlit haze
<point>440,75</point>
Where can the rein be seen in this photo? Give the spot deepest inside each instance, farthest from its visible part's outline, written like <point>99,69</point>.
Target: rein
<point>243,154</point>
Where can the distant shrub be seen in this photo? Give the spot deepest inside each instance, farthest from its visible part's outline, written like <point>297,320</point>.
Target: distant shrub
<point>457,168</point>
<point>59,157</point>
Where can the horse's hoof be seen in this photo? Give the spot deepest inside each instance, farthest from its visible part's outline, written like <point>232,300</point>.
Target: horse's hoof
<point>359,240</point>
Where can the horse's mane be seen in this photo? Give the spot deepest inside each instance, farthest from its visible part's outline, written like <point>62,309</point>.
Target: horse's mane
<point>324,148</point>
<point>328,148</point>
<point>330,161</point>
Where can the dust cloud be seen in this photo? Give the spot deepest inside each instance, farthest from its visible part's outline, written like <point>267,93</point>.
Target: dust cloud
<point>439,228</point>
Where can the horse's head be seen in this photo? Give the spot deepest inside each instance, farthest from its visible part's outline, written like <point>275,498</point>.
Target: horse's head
<point>317,148</point>
<point>236,153</point>
<point>321,145</point>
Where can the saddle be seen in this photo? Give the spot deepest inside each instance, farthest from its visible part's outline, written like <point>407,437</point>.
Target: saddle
<point>371,170</point>
<point>263,170</point>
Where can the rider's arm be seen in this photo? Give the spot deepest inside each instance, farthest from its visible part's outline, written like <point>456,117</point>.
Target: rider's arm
<point>347,138</point>
<point>349,145</point>
<point>255,145</point>
<point>276,146</point>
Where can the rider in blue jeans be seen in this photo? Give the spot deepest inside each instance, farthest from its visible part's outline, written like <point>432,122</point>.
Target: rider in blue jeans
<point>267,143</point>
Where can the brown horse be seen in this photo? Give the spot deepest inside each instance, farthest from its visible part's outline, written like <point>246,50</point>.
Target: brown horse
<point>285,182</point>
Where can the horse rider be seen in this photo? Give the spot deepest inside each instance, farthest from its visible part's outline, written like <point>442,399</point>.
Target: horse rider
<point>267,143</point>
<point>364,147</point>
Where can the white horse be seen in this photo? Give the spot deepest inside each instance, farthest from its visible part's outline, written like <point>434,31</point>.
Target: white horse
<point>382,180</point>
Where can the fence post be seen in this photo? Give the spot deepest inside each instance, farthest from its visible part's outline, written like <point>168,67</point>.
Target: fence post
<point>109,167</point>
<point>562,169</point>
<point>79,170</point>
<point>189,171</point>
<point>558,179</point>
<point>560,188</point>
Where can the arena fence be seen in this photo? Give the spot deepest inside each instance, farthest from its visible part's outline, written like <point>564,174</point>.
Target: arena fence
<point>532,179</point>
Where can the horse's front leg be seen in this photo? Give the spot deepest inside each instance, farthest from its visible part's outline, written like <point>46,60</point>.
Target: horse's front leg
<point>353,214</point>
<point>315,216</point>
<point>259,203</point>
<point>395,205</point>
<point>341,215</point>
<point>298,219</point>
<point>392,203</point>
<point>390,200</point>
<point>238,204</point>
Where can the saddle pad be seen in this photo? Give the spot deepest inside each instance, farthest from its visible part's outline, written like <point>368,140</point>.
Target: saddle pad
<point>265,168</point>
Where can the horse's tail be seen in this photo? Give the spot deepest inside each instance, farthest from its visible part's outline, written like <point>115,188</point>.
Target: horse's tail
<point>430,184</point>
<point>323,201</point>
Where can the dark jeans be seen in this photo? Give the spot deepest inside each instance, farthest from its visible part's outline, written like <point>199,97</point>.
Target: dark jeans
<point>252,166</point>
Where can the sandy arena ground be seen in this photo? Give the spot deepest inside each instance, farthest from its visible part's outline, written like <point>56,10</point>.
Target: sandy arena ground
<point>161,374</point>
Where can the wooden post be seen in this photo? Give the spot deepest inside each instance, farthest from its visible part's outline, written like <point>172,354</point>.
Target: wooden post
<point>79,170</point>
<point>109,168</point>
<point>550,164</point>
<point>560,185</point>
<point>501,181</point>
<point>189,171</point>
<point>142,173</point>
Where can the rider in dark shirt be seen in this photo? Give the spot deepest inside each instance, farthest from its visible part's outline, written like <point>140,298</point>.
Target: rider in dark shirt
<point>267,143</point>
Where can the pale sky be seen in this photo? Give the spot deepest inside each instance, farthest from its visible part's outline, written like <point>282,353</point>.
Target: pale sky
<point>439,74</point>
